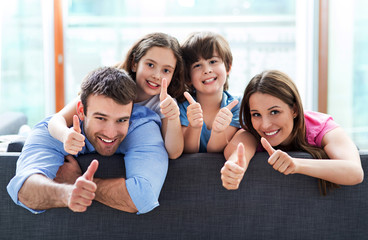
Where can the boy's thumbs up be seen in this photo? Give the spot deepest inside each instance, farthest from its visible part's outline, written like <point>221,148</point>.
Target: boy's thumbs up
<point>189,98</point>
<point>232,104</point>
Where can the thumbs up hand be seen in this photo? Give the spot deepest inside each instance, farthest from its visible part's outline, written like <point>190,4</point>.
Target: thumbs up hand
<point>83,190</point>
<point>233,170</point>
<point>169,108</point>
<point>73,139</point>
<point>194,112</point>
<point>281,161</point>
<point>223,117</point>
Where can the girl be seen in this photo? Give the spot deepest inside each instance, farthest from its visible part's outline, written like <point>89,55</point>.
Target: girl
<point>210,118</point>
<point>272,117</point>
<point>155,63</point>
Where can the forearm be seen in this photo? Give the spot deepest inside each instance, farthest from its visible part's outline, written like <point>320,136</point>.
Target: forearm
<point>192,139</point>
<point>58,127</point>
<point>39,193</point>
<point>342,172</point>
<point>114,193</point>
<point>173,137</point>
<point>217,142</point>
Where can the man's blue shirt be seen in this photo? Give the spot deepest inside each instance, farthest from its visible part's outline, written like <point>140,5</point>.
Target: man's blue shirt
<point>146,159</point>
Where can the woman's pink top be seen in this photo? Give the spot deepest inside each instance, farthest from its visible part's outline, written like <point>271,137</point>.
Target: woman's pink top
<point>316,126</point>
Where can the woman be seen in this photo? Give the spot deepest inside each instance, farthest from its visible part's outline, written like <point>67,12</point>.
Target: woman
<point>272,119</point>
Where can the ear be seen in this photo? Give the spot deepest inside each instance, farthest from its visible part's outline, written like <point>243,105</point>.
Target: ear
<point>134,66</point>
<point>295,111</point>
<point>228,72</point>
<point>80,110</point>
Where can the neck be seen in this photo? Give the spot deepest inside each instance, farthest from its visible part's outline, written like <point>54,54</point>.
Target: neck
<point>210,101</point>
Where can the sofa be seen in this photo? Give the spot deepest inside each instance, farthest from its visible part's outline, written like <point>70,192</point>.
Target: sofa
<point>194,205</point>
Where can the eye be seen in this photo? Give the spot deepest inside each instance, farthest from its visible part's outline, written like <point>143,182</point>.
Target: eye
<point>196,65</point>
<point>100,118</point>
<point>274,112</point>
<point>150,65</point>
<point>213,61</point>
<point>167,71</point>
<point>123,120</point>
<point>256,115</point>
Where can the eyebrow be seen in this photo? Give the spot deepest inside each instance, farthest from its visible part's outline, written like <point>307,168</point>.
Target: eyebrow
<point>104,115</point>
<point>267,109</point>
<point>151,60</point>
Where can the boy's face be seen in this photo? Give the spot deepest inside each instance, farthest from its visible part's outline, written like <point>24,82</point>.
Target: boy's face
<point>209,75</point>
<point>105,123</point>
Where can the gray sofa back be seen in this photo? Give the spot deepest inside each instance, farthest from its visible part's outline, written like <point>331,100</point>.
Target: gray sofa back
<point>194,205</point>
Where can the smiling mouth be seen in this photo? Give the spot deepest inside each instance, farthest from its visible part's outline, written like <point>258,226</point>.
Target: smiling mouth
<point>154,85</point>
<point>107,140</point>
<point>209,80</point>
<point>271,133</point>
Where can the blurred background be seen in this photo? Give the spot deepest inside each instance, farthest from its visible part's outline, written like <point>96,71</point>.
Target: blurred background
<point>48,46</point>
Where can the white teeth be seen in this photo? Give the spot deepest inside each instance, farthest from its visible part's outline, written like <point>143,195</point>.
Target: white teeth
<point>209,80</point>
<point>271,133</point>
<point>107,141</point>
<point>152,84</point>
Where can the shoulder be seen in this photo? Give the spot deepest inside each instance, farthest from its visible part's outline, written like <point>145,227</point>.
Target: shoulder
<point>227,98</point>
<point>142,115</point>
<point>317,125</point>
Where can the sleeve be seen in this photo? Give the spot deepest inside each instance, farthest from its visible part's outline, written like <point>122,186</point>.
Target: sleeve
<point>40,155</point>
<point>183,113</point>
<point>146,163</point>
<point>317,125</point>
<point>235,111</point>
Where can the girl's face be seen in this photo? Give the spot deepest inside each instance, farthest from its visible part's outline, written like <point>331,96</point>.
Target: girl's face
<point>272,118</point>
<point>156,64</point>
<point>209,75</point>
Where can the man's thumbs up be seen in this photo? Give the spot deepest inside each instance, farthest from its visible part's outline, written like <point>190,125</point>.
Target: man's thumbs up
<point>91,170</point>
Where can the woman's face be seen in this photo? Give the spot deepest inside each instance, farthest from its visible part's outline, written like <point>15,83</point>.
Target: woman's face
<point>272,118</point>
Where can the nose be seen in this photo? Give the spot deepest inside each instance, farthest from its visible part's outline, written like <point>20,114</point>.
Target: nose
<point>110,131</point>
<point>207,69</point>
<point>156,75</point>
<point>266,123</point>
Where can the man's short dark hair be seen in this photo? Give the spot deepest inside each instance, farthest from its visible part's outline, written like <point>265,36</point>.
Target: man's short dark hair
<point>110,82</point>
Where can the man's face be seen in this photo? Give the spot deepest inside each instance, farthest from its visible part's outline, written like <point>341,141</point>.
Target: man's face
<point>106,123</point>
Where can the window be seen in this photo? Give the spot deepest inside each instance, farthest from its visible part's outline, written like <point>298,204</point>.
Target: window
<point>262,35</point>
<point>22,58</point>
<point>348,68</point>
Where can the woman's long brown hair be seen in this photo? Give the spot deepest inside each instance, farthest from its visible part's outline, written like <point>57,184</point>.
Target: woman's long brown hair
<point>280,85</point>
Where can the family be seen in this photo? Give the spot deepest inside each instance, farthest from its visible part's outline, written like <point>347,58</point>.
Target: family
<point>166,99</point>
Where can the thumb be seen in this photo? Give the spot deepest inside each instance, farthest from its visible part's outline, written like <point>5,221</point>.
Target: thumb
<point>189,98</point>
<point>76,125</point>
<point>91,170</point>
<point>232,104</point>
<point>267,146</point>
<point>163,93</point>
<point>241,155</point>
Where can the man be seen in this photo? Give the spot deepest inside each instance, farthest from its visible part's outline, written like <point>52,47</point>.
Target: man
<point>110,125</point>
